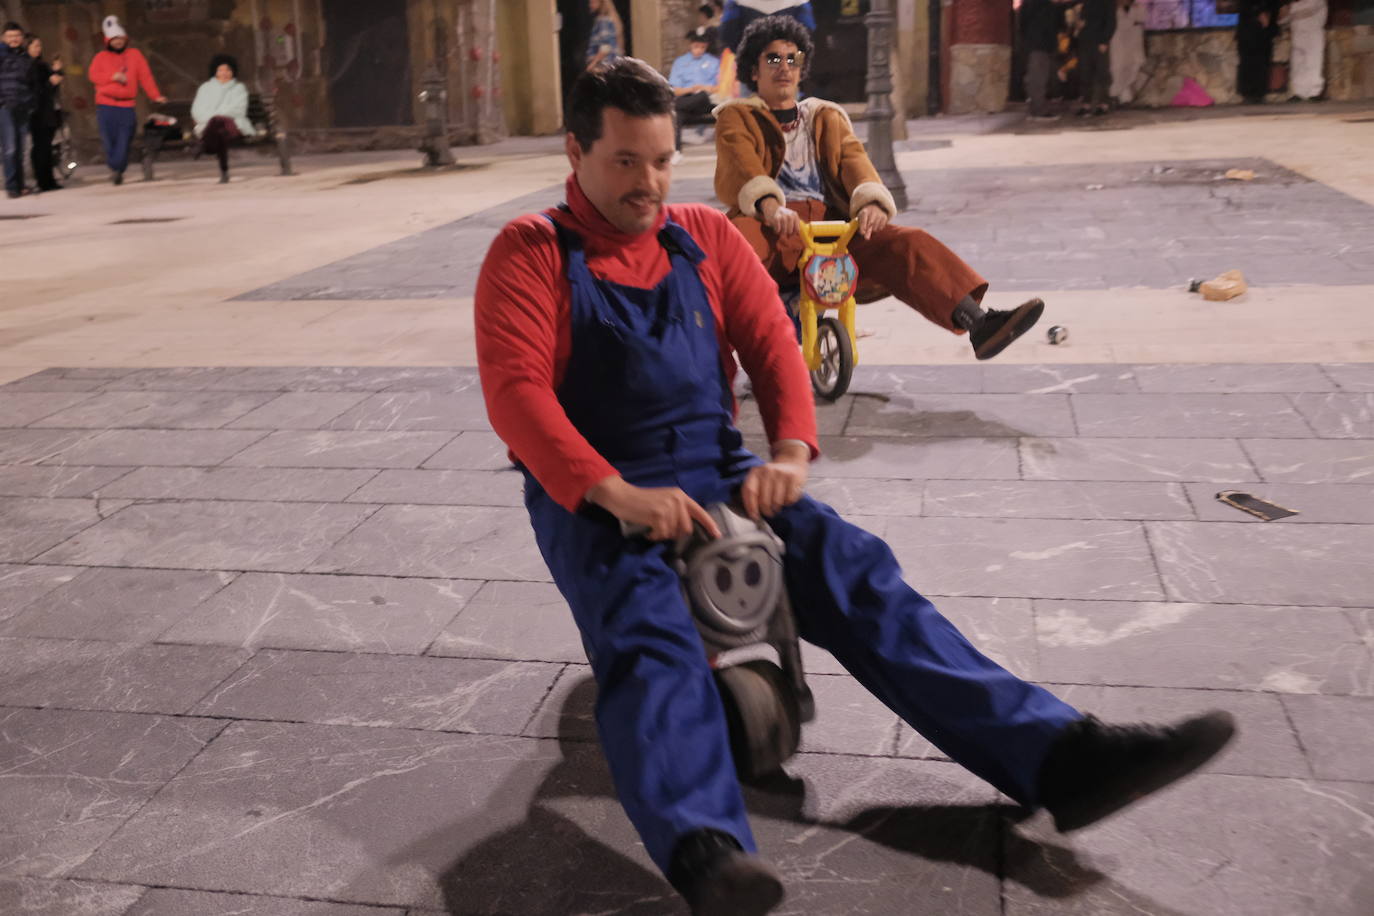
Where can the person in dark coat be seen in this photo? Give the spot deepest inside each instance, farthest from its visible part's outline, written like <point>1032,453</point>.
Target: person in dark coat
<point>1040,36</point>
<point>16,104</point>
<point>1255,31</point>
<point>1094,42</point>
<point>47,113</point>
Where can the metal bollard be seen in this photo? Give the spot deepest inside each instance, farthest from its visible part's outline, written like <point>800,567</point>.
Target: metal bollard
<point>434,98</point>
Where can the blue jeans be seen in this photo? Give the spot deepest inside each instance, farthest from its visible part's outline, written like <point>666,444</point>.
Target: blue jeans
<point>14,129</point>
<point>116,134</point>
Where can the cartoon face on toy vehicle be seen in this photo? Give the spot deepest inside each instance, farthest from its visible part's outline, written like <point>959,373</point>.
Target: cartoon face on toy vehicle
<point>831,279</point>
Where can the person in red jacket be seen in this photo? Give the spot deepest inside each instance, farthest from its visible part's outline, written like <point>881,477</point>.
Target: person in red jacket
<point>117,72</point>
<point>607,330</point>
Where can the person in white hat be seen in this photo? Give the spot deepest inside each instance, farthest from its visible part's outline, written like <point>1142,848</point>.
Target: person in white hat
<point>117,73</point>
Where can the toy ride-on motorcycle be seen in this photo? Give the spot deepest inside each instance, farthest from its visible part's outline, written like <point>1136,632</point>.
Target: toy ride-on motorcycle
<point>829,278</point>
<point>735,588</point>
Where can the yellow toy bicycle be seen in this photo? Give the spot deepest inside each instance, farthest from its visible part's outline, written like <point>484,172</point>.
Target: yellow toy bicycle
<point>829,278</point>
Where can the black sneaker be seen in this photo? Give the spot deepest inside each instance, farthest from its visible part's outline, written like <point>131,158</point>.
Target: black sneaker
<point>717,877</point>
<point>1094,769</point>
<point>999,328</point>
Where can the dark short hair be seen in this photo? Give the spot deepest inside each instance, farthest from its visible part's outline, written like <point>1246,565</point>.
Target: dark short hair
<point>706,10</point>
<point>760,34</point>
<point>223,59</point>
<point>11,27</point>
<point>702,35</point>
<point>626,84</point>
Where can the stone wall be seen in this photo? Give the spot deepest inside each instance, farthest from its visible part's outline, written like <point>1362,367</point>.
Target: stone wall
<point>978,78</point>
<point>1210,58</point>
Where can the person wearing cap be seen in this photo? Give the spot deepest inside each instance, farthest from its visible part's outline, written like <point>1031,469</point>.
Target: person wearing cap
<point>117,73</point>
<point>693,77</point>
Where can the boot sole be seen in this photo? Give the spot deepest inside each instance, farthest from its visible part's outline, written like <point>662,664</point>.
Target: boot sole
<point>1211,733</point>
<point>743,885</point>
<point>1021,320</point>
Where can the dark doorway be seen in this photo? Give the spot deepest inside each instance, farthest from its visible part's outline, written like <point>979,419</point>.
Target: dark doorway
<point>840,71</point>
<point>576,17</point>
<point>367,53</point>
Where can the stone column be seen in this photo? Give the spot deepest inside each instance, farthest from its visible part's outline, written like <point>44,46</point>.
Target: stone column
<point>979,56</point>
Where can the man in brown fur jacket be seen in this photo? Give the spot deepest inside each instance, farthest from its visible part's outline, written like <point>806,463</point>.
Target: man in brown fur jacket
<point>780,161</point>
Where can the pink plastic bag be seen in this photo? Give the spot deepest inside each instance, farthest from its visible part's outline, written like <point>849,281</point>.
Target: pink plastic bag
<point>1192,95</point>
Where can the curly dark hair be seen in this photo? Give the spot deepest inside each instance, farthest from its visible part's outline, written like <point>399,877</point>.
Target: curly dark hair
<point>224,59</point>
<point>760,34</point>
<point>626,84</point>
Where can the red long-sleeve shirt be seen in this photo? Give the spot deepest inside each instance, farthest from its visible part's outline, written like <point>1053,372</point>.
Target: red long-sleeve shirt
<point>524,332</point>
<point>121,95</point>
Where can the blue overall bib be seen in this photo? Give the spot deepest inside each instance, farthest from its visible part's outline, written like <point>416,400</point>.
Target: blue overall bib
<point>645,386</point>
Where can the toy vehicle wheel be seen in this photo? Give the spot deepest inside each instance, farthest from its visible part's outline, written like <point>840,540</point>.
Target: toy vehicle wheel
<point>837,359</point>
<point>762,714</point>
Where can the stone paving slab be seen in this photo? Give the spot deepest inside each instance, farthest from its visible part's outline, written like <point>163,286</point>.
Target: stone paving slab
<point>1312,460</point>
<point>30,526</point>
<point>1220,460</point>
<point>20,585</point>
<point>162,901</point>
<point>520,621</point>
<point>299,410</point>
<point>351,449</point>
<point>1159,644</point>
<point>82,674</point>
<point>328,485</point>
<point>1340,503</point>
<point>1336,733</point>
<point>385,691</point>
<point>155,447</point>
<point>1206,416</point>
<point>335,613</point>
<point>443,541</point>
<point>118,605</point>
<point>1340,415</point>
<point>43,897</point>
<point>1168,858</point>
<point>68,780</point>
<point>212,535</point>
<point>444,488</point>
<point>21,409</point>
<point>1281,378</point>
<point>1057,499</point>
<point>154,410</point>
<point>1042,558</point>
<point>52,482</point>
<point>951,415</point>
<point>370,815</point>
<point>1231,562</point>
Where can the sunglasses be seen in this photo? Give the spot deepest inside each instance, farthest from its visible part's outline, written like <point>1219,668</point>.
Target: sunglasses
<point>794,60</point>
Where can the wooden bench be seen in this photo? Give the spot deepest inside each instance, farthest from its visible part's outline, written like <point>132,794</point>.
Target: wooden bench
<point>179,136</point>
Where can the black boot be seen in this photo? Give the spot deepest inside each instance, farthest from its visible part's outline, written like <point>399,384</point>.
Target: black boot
<point>991,331</point>
<point>717,877</point>
<point>1093,769</point>
<point>224,176</point>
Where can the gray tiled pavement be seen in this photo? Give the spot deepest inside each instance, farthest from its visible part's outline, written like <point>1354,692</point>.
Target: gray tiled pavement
<point>278,642</point>
<point>1103,226</point>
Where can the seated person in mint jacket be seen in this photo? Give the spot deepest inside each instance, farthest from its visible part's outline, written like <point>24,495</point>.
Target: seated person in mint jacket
<point>607,330</point>
<point>220,111</point>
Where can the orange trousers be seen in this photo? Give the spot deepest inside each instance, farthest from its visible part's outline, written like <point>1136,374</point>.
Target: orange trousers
<point>909,263</point>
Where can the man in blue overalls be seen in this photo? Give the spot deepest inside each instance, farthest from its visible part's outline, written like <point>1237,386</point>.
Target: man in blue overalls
<point>606,335</point>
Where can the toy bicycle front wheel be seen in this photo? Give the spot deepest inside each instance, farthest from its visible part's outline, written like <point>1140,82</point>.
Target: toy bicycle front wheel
<point>836,350</point>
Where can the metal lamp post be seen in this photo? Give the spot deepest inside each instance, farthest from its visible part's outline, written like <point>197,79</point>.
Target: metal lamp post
<point>879,88</point>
